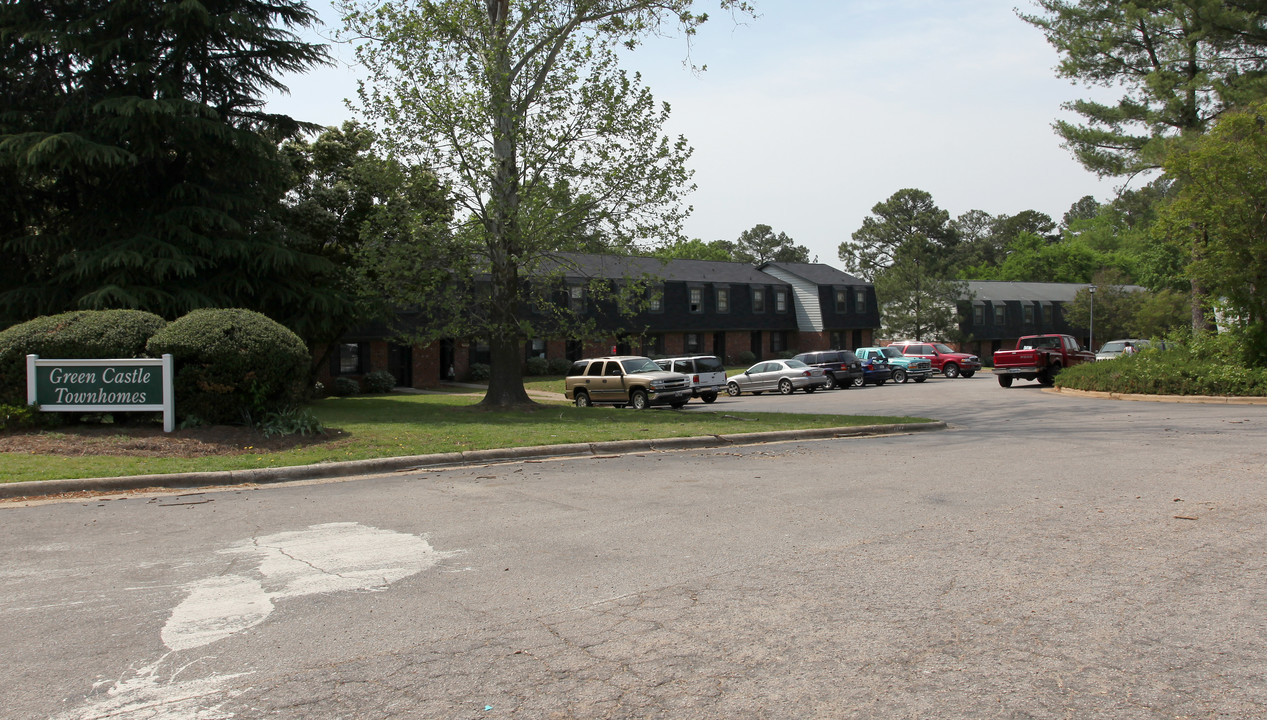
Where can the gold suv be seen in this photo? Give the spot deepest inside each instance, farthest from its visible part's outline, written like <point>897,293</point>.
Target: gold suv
<point>625,380</point>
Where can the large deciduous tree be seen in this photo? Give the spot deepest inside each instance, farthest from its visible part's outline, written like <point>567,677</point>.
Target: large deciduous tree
<point>523,109</point>
<point>138,167</point>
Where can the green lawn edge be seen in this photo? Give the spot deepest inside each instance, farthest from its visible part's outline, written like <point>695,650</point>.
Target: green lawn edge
<point>399,425</point>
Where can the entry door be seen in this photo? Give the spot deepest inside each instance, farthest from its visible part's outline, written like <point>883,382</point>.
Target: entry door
<point>400,363</point>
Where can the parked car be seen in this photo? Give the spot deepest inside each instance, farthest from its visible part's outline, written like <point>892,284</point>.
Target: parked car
<point>785,376</point>
<point>625,380</point>
<point>1039,357</point>
<point>876,370</point>
<point>944,360</point>
<point>1114,348</point>
<point>904,368</point>
<point>706,372</point>
<point>842,367</point>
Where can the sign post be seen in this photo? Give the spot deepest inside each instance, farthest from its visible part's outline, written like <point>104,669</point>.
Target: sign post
<point>103,385</point>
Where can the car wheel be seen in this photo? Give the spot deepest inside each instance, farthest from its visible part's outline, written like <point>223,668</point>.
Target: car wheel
<point>757,392</point>
<point>921,379</point>
<point>878,383</point>
<point>969,373</point>
<point>951,370</point>
<point>899,376</point>
<point>732,389</point>
<point>708,397</point>
<point>785,387</point>
<point>809,389</point>
<point>859,382</point>
<point>831,382</point>
<point>677,405</point>
<point>1005,381</point>
<point>638,399</point>
<point>1048,378</point>
<point>583,399</point>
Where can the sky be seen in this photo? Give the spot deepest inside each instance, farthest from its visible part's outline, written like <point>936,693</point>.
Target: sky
<point>809,115</point>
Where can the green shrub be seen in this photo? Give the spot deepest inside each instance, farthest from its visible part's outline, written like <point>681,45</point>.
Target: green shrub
<point>233,365</point>
<point>1189,370</point>
<point>747,357</point>
<point>25,417</point>
<point>480,372</point>
<point>537,366</point>
<point>73,335</point>
<point>378,381</point>
<point>291,421</point>
<point>346,386</point>
<point>559,366</point>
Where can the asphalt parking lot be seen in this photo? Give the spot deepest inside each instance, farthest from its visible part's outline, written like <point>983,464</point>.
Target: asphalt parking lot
<point>1044,557</point>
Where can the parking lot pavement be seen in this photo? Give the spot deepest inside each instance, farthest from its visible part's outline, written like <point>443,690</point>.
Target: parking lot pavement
<point>1047,557</point>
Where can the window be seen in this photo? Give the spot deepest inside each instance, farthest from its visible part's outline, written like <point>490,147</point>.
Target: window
<point>758,300</point>
<point>655,298</point>
<point>653,345</point>
<point>860,300</point>
<point>353,358</point>
<point>697,300</point>
<point>723,300</point>
<point>838,336</point>
<point>1028,313</point>
<point>595,369</point>
<point>576,298</point>
<point>778,340</point>
<point>537,348</point>
<point>780,301</point>
<point>978,315</point>
<point>1000,314</point>
<point>842,301</point>
<point>693,342</point>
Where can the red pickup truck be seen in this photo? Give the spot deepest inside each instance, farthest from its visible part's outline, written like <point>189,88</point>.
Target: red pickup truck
<point>1039,357</point>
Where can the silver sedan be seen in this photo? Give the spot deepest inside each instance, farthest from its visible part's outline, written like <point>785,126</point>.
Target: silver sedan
<point>785,376</point>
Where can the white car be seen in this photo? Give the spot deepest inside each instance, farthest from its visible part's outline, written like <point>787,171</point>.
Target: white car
<point>1113,348</point>
<point>785,376</point>
<point>707,374</point>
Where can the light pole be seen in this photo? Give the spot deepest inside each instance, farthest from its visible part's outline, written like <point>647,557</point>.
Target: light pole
<point>1091,330</point>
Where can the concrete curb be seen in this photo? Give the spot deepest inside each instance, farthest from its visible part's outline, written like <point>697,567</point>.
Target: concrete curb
<point>1186,399</point>
<point>415,462</point>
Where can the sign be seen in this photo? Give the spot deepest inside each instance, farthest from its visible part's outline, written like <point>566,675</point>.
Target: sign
<point>102,385</point>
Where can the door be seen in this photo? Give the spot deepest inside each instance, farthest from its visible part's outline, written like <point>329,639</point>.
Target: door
<point>400,363</point>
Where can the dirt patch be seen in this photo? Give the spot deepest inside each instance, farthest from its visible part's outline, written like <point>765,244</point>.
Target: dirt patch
<point>153,442</point>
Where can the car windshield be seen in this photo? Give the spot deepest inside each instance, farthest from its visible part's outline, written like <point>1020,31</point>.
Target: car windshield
<point>794,363</point>
<point>1115,346</point>
<point>942,348</point>
<point>709,364</point>
<point>891,352</point>
<point>638,365</point>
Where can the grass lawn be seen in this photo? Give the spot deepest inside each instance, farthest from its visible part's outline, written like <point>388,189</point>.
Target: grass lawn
<point>395,425</point>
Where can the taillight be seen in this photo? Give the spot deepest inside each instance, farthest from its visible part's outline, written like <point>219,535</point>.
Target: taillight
<point>695,378</point>
<point>807,373</point>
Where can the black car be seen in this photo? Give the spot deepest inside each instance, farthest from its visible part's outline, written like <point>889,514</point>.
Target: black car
<point>842,366</point>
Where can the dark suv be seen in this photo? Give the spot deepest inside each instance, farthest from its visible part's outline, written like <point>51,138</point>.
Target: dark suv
<point>842,367</point>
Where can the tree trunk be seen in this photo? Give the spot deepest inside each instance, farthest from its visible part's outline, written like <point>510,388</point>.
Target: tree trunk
<point>1199,296</point>
<point>506,381</point>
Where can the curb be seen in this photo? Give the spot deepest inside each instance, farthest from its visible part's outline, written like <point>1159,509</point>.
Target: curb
<point>1183,399</point>
<point>441,460</point>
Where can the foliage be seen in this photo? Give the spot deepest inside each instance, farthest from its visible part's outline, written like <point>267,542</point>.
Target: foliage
<point>233,365</point>
<point>746,357</point>
<point>137,166</point>
<point>559,366</point>
<point>72,335</point>
<point>1122,312</point>
<point>760,245</point>
<point>1207,366</point>
<point>696,249</point>
<point>378,381</point>
<point>344,386</point>
<point>523,110</point>
<point>25,417</point>
<point>536,366</point>
<point>290,421</point>
<point>1180,64</point>
<point>1221,211</point>
<point>481,372</point>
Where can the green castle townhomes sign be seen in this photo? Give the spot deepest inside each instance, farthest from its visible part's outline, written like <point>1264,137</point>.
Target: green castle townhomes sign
<point>102,385</point>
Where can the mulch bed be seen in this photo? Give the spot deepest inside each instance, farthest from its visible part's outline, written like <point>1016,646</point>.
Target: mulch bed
<point>151,441</point>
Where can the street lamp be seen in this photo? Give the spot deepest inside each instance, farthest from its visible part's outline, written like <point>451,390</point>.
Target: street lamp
<point>1091,330</point>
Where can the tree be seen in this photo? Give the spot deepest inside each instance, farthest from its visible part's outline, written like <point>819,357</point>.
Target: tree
<point>344,198</point>
<point>760,245</point>
<point>908,219</point>
<point>137,166</point>
<point>917,306</point>
<point>696,249</point>
<point>508,102</point>
<point>1180,63</point>
<point>1221,207</point>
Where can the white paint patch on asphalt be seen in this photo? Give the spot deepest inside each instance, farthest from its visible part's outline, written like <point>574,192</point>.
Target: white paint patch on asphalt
<point>334,557</point>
